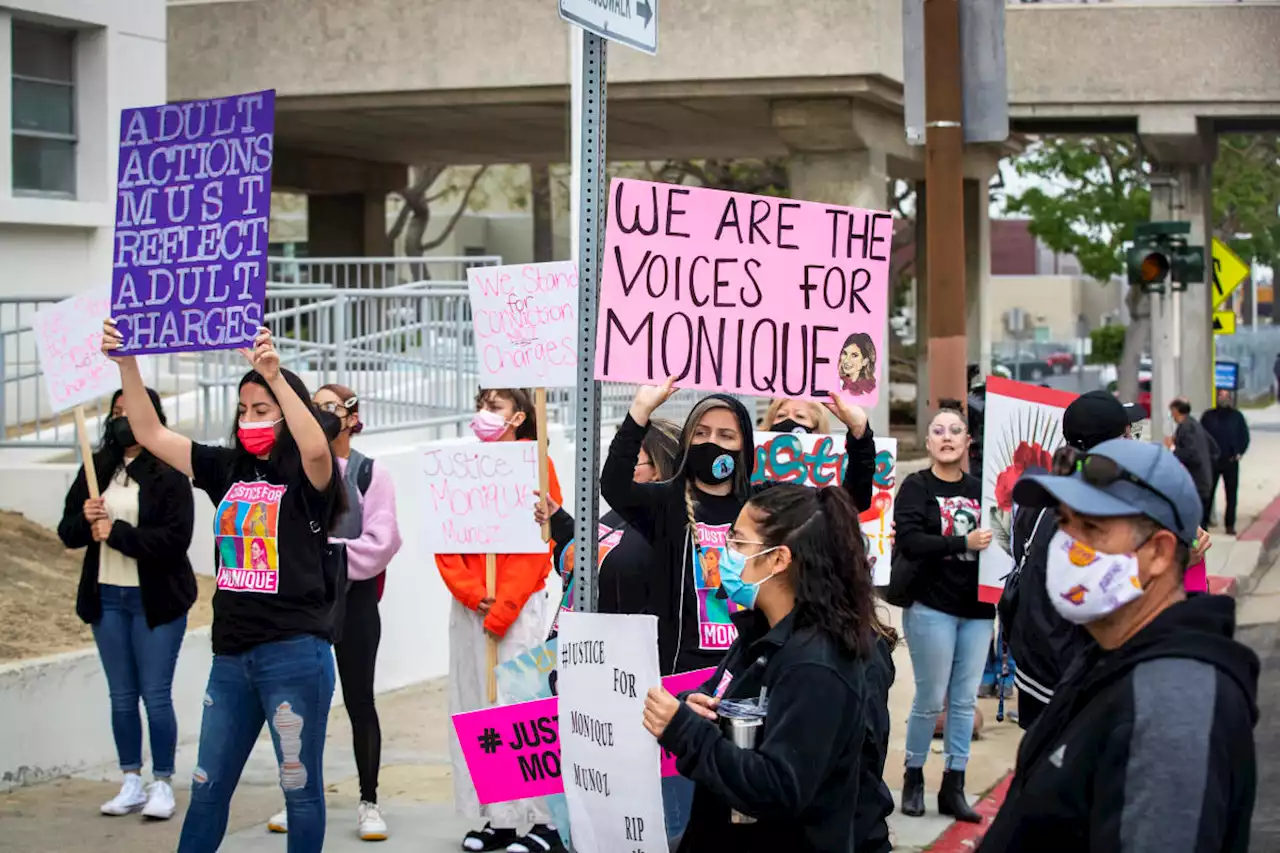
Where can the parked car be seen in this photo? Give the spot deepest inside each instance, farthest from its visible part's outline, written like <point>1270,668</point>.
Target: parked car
<point>1061,361</point>
<point>1027,367</point>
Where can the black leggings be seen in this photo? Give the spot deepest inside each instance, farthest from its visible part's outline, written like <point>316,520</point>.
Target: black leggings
<point>357,652</point>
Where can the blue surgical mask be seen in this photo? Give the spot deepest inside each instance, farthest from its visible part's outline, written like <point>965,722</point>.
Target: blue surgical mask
<point>740,592</point>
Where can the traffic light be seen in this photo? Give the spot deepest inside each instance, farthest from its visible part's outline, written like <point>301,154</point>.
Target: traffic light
<point>1160,253</point>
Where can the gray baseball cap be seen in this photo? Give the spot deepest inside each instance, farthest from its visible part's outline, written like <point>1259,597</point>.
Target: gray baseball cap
<point>1150,482</point>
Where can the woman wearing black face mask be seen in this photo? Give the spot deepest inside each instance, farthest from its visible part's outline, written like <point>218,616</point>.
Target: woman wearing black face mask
<point>136,586</point>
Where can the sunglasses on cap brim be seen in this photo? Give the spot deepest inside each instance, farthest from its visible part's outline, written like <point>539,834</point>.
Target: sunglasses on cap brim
<point>1102,472</point>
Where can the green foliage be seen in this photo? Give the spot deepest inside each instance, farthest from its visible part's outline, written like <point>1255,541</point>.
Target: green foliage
<point>1101,194</point>
<point>1246,195</point>
<point>1107,344</point>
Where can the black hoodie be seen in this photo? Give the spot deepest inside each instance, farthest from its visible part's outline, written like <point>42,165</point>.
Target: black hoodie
<point>694,631</point>
<point>1148,747</point>
<point>807,765</point>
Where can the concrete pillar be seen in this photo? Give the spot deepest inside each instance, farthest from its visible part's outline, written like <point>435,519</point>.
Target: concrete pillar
<point>348,225</point>
<point>1195,344</point>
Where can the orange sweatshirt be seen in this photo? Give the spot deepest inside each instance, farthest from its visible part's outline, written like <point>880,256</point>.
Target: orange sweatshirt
<point>519,576</point>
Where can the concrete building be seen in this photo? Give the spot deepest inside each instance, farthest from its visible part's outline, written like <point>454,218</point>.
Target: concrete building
<point>68,67</point>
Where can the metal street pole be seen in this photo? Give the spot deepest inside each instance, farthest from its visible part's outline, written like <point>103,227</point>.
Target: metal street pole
<point>591,208</point>
<point>1164,321</point>
<point>944,178</point>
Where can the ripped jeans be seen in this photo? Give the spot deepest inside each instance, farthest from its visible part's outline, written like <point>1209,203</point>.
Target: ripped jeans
<point>289,685</point>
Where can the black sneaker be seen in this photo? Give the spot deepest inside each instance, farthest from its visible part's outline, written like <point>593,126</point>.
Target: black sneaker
<point>541,839</point>
<point>488,839</point>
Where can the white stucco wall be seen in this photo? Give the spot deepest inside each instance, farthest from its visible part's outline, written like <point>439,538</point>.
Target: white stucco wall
<point>63,246</point>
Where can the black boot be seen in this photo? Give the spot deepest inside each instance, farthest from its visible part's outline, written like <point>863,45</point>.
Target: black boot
<point>913,792</point>
<point>951,801</point>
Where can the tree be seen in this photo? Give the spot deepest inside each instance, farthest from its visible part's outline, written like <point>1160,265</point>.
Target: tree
<point>415,215</point>
<point>1107,344</point>
<point>1246,195</point>
<point>1094,191</point>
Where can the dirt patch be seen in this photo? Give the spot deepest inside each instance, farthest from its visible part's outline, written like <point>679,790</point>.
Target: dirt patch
<point>40,577</point>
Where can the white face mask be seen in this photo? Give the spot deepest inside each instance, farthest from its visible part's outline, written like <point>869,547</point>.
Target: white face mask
<point>1085,585</point>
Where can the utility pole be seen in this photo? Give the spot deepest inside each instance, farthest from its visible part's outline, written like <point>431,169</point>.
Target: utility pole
<point>944,180</point>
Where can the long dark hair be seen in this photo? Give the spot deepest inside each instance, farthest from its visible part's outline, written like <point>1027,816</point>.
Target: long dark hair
<point>285,459</point>
<point>830,570</point>
<point>109,451</point>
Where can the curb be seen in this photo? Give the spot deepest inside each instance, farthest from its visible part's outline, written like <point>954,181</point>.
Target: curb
<point>964,837</point>
<point>1265,530</point>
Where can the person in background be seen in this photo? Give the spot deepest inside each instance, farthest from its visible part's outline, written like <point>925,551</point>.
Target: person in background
<point>623,582</point>
<point>136,586</point>
<point>514,616</point>
<point>795,416</point>
<point>272,627</point>
<point>1041,641</point>
<point>1147,744</point>
<point>796,567</point>
<point>371,535</point>
<point>1195,449</point>
<point>948,630</point>
<point>1228,428</point>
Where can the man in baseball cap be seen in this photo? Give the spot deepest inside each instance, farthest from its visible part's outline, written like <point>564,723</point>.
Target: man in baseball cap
<point>1148,742</point>
<point>1041,642</point>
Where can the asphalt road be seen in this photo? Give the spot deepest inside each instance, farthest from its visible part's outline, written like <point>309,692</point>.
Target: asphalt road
<point>1265,640</point>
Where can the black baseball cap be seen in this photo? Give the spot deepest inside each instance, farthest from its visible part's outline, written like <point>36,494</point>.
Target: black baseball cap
<point>1095,417</point>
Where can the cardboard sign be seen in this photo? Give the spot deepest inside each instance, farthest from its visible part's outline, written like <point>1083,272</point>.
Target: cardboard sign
<point>496,765</point>
<point>69,344</point>
<point>820,460</point>
<point>1022,429</point>
<point>743,294</point>
<point>612,764</point>
<point>526,322</point>
<point>480,499</point>
<point>192,211</point>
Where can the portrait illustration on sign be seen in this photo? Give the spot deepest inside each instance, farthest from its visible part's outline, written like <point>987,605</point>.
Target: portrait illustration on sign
<point>247,548</point>
<point>858,364</point>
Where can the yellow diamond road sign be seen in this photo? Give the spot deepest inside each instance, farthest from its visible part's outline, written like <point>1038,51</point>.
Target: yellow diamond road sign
<point>1224,322</point>
<point>1228,272</point>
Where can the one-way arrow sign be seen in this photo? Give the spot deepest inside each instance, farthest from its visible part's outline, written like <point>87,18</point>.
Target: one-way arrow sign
<point>630,22</point>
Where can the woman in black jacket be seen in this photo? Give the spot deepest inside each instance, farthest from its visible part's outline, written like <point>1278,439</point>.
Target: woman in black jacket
<point>136,586</point>
<point>796,565</point>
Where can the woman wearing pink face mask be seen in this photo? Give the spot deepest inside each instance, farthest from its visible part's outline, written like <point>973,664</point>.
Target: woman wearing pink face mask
<point>277,493</point>
<point>515,615</point>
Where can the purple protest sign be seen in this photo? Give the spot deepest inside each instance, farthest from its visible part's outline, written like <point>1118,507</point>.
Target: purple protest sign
<point>193,205</point>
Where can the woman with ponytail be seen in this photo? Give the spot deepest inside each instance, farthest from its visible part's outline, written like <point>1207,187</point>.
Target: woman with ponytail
<point>795,566</point>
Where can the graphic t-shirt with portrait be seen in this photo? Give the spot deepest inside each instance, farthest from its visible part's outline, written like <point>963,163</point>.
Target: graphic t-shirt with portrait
<point>947,580</point>
<point>268,561</point>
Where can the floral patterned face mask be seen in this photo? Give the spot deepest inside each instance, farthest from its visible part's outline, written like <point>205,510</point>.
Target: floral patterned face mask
<point>1086,585</point>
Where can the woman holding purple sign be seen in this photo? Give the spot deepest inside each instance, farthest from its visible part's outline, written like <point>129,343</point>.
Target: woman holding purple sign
<point>278,494</point>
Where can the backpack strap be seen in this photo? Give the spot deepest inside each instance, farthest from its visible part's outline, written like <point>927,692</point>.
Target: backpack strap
<point>364,474</point>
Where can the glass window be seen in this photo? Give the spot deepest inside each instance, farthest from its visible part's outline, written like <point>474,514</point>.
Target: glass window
<point>44,121</point>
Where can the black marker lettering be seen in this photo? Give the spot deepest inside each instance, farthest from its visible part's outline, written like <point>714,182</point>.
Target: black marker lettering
<point>673,212</point>
<point>635,220</point>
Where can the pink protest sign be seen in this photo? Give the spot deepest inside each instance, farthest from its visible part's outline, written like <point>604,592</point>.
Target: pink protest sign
<point>69,343</point>
<point>526,322</point>
<point>742,293</point>
<point>513,751</point>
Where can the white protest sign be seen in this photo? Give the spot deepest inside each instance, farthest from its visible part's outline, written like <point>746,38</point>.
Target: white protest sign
<point>526,324</point>
<point>609,762</point>
<point>480,499</point>
<point>69,343</point>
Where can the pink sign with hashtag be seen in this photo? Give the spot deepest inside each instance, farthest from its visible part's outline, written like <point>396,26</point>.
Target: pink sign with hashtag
<point>513,751</point>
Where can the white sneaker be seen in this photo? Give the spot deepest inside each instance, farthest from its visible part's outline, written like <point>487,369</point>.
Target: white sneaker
<point>160,803</point>
<point>280,822</point>
<point>369,820</point>
<point>132,797</point>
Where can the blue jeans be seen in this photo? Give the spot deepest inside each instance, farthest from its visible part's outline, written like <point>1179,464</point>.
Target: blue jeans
<point>289,685</point>
<point>948,654</point>
<point>139,662</point>
<point>677,803</point>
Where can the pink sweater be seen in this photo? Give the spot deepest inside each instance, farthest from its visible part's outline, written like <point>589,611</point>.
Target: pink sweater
<point>379,540</point>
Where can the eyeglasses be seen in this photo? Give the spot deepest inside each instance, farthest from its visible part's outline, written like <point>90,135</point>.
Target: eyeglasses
<point>331,408</point>
<point>1101,472</point>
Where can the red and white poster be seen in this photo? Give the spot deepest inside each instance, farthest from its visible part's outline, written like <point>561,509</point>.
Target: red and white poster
<point>1022,429</point>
